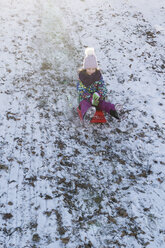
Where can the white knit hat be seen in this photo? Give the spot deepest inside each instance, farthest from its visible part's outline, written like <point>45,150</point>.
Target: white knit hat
<point>90,58</point>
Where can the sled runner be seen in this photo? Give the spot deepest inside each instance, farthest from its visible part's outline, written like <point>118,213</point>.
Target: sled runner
<point>97,118</point>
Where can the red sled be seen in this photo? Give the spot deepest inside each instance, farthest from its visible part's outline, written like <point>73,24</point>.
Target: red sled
<point>97,118</point>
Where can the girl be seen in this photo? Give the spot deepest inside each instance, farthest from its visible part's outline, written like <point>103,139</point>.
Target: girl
<point>91,89</point>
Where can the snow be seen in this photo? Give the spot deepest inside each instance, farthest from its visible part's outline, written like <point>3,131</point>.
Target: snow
<point>63,185</point>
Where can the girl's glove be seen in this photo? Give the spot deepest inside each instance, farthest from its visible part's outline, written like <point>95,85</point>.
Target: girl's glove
<point>95,99</point>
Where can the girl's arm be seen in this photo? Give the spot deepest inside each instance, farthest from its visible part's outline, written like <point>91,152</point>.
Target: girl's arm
<point>82,91</point>
<point>101,88</point>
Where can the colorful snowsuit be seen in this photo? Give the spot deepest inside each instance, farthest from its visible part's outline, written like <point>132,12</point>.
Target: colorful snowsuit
<point>86,93</point>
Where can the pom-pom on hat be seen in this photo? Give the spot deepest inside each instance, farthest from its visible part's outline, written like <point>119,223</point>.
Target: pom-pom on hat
<point>90,58</point>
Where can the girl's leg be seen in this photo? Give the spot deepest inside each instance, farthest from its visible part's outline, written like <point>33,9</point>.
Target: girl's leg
<point>84,106</point>
<point>106,106</point>
<point>109,108</point>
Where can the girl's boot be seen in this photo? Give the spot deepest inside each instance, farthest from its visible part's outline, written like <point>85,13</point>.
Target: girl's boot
<point>88,115</point>
<point>114,114</point>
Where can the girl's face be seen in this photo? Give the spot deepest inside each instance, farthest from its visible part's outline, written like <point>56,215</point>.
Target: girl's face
<point>90,71</point>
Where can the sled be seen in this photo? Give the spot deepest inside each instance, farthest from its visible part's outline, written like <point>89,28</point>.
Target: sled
<point>97,118</point>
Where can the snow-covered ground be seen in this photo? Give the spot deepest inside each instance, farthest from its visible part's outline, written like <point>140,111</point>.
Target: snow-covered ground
<point>63,185</point>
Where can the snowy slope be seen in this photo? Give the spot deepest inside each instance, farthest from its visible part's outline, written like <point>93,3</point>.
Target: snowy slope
<point>62,185</point>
